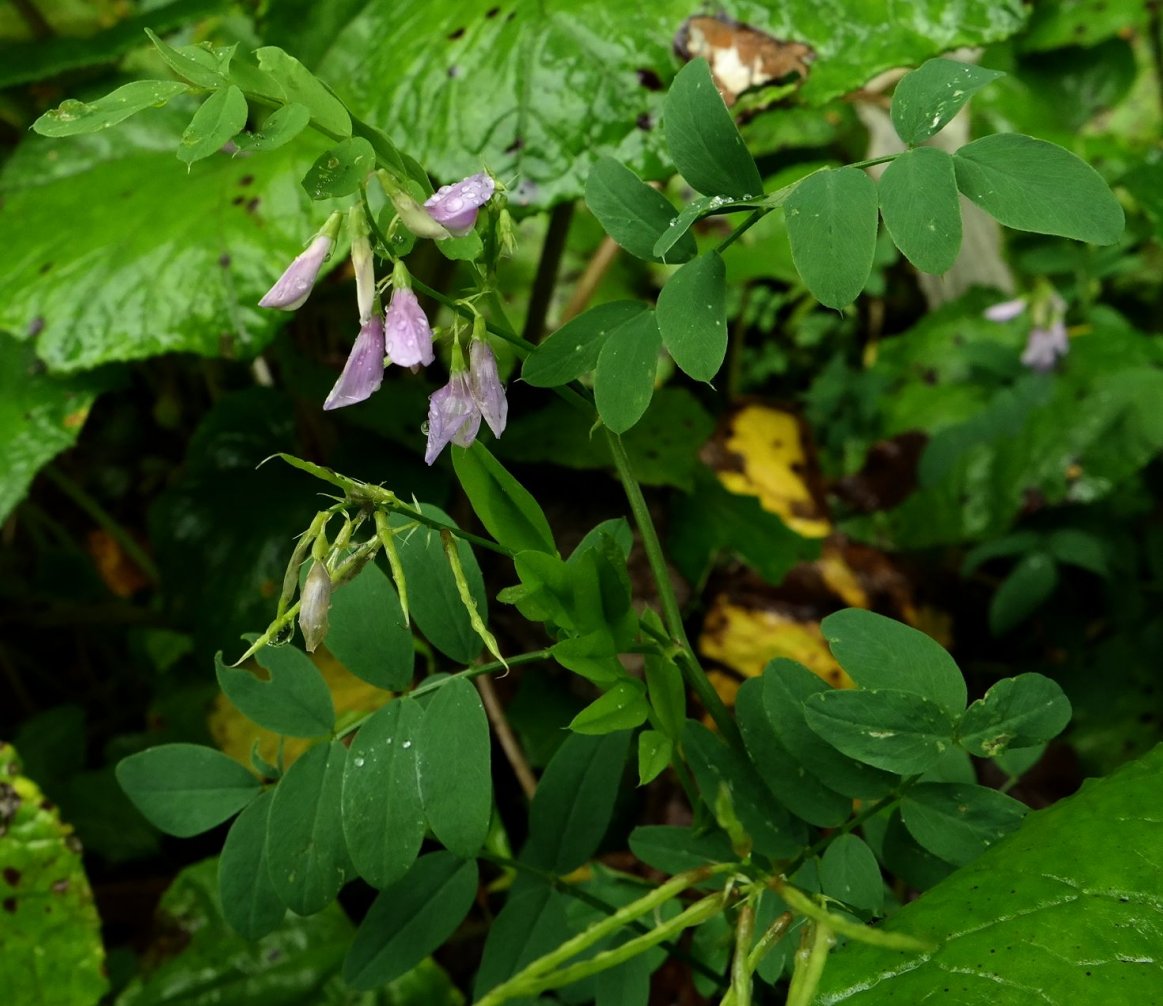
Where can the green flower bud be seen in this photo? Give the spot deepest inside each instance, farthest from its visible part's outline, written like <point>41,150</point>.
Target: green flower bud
<point>314,604</point>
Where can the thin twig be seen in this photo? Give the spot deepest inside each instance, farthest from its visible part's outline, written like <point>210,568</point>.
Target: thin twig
<point>593,275</point>
<point>505,735</point>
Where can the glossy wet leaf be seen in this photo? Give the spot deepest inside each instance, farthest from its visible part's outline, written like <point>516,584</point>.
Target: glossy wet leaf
<point>634,214</point>
<point>1049,908</point>
<point>72,117</point>
<point>1032,185</point>
<point>411,919</point>
<point>623,707</point>
<point>921,208</point>
<point>433,600</point>
<point>880,652</point>
<point>575,798</point>
<point>51,935</point>
<point>958,822</point>
<point>119,282</point>
<point>341,170</point>
<point>306,854</point>
<point>220,117</point>
<point>692,316</point>
<point>655,751</point>
<point>624,377</point>
<point>702,138</point>
<point>1017,712</point>
<point>926,99</point>
<point>295,700</point>
<point>896,731</point>
<point>40,416</point>
<point>368,634</point>
<point>199,64</point>
<point>505,507</point>
<point>250,903</point>
<point>383,820</point>
<point>301,86</point>
<point>831,222</point>
<point>185,789</point>
<point>278,129</point>
<point>453,764</point>
<point>667,693</point>
<point>573,349</point>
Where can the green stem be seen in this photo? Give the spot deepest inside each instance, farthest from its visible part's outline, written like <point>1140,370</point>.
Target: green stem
<point>536,979</point>
<point>584,896</point>
<point>671,614</point>
<point>741,964</point>
<point>809,964</point>
<point>523,348</point>
<point>769,939</point>
<point>105,520</point>
<point>752,219</point>
<point>545,281</point>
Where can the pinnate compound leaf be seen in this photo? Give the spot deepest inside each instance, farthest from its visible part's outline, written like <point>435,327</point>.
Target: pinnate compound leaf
<point>786,687</point>
<point>456,786</point>
<point>368,633</point>
<point>897,731</point>
<point>433,600</point>
<point>634,214</point>
<point>50,932</point>
<point>959,821</point>
<point>220,118</point>
<point>185,789</point>
<point>300,85</point>
<point>850,873</point>
<point>505,507</point>
<point>295,701</point>
<point>383,820</point>
<point>250,903</point>
<point>306,854</point>
<point>1050,909</point>
<point>1032,185</point>
<point>199,64</point>
<point>692,316</point>
<point>926,99</point>
<point>624,378</point>
<point>411,919</point>
<point>278,129</point>
<point>72,117</point>
<point>341,170</point>
<point>831,223</point>
<point>574,801</point>
<point>921,208</point>
<point>573,349</point>
<point>880,652</point>
<point>1017,712</point>
<point>702,138</point>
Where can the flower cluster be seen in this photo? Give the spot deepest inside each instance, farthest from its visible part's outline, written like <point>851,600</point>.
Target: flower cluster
<point>402,335</point>
<point>1048,340</point>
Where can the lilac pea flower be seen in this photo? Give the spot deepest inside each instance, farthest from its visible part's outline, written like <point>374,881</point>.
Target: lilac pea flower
<point>363,264</point>
<point>485,385</point>
<point>364,370</point>
<point>1007,310</point>
<point>409,336</point>
<point>1045,346</point>
<point>455,206</point>
<point>453,416</point>
<point>294,286</point>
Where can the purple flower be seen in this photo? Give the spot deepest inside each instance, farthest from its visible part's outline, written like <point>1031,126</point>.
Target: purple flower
<point>363,264</point>
<point>485,385</point>
<point>294,285</point>
<point>456,410</point>
<point>455,206</point>
<point>453,415</point>
<point>409,336</point>
<point>1007,310</point>
<point>364,370</point>
<point>1045,346</point>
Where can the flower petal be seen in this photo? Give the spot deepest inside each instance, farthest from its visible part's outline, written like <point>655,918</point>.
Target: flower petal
<point>485,385</point>
<point>451,412</point>
<point>455,206</point>
<point>1045,346</point>
<point>409,336</point>
<point>1007,310</point>
<point>364,370</point>
<point>294,285</point>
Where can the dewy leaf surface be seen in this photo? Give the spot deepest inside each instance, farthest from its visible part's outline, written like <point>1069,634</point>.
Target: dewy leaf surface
<point>1069,910</point>
<point>458,83</point>
<point>117,253</point>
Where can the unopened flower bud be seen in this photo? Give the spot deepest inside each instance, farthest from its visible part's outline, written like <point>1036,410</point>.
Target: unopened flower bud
<point>363,263</point>
<point>314,604</point>
<point>294,286</point>
<point>412,214</point>
<point>507,233</point>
